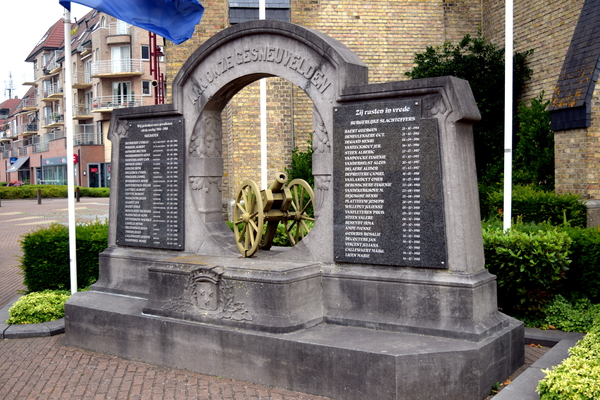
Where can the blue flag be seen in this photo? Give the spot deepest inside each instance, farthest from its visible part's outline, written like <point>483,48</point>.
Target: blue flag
<point>172,19</point>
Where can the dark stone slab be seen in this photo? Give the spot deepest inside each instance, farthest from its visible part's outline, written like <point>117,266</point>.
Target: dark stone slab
<point>388,199</point>
<point>151,185</point>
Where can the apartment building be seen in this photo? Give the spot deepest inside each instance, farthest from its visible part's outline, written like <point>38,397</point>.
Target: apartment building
<point>111,69</point>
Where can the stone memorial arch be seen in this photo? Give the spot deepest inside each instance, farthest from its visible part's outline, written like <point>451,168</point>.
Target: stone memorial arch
<point>223,66</point>
<point>386,298</point>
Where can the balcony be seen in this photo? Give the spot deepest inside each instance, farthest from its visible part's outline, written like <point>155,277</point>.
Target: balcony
<point>41,147</point>
<point>109,103</point>
<point>119,28</point>
<point>53,121</point>
<point>86,135</point>
<point>81,111</point>
<point>117,68</point>
<point>28,129</point>
<point>82,80</point>
<point>52,92</point>
<point>28,79</point>
<point>28,104</point>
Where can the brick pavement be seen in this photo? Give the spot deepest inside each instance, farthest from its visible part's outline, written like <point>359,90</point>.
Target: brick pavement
<point>45,369</point>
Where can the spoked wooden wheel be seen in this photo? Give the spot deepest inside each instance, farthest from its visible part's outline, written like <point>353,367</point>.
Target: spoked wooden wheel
<point>301,211</point>
<point>248,218</point>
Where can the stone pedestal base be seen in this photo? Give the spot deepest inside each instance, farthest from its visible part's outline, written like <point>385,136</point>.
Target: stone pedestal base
<point>336,361</point>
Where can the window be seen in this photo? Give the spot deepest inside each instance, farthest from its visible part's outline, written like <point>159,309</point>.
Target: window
<point>145,52</point>
<point>120,59</point>
<point>146,88</point>
<point>247,10</point>
<point>122,93</point>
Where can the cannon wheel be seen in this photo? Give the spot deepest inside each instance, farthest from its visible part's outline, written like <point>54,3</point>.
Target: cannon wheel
<point>248,218</point>
<point>296,226</point>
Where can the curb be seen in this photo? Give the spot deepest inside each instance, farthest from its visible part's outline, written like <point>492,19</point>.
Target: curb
<point>523,388</point>
<point>22,331</point>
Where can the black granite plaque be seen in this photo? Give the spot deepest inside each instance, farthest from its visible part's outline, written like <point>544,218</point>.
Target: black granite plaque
<point>388,197</point>
<point>151,184</point>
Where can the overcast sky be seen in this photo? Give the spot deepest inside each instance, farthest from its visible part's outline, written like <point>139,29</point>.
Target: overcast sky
<point>23,24</point>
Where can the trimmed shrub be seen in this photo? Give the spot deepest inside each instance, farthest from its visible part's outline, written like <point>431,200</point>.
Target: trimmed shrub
<point>534,205</point>
<point>30,191</point>
<point>529,267</point>
<point>39,307</point>
<point>577,377</point>
<point>45,260</point>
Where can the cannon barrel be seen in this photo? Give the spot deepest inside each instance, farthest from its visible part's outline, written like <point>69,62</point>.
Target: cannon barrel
<point>278,183</point>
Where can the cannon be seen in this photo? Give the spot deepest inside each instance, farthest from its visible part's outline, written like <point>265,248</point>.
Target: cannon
<point>290,204</point>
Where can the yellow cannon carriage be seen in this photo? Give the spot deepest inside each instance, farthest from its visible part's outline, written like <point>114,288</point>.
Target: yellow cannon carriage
<point>291,205</point>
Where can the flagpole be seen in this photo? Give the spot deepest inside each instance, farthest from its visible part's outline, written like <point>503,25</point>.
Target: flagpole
<point>508,113</point>
<point>68,68</point>
<point>263,113</point>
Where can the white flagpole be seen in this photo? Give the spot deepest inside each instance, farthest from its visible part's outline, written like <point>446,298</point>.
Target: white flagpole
<point>263,113</point>
<point>508,111</point>
<point>68,68</point>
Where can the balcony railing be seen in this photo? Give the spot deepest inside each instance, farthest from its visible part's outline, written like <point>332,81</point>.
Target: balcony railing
<point>27,128</point>
<point>53,90</point>
<point>23,150</point>
<point>81,110</point>
<point>107,103</point>
<point>28,79</point>
<point>82,79</point>
<point>119,28</point>
<point>40,147</point>
<point>55,119</point>
<point>28,103</point>
<point>80,139</point>
<point>126,66</point>
<point>5,153</point>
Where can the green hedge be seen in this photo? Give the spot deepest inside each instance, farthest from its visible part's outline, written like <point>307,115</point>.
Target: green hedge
<point>45,260</point>
<point>30,191</point>
<point>529,267</point>
<point>577,377</point>
<point>534,205</point>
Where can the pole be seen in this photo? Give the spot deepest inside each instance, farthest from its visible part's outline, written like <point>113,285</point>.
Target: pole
<point>508,114</point>
<point>70,160</point>
<point>263,113</point>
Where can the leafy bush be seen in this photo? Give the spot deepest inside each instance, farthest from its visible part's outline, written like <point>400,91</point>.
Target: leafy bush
<point>576,316</point>
<point>529,267</point>
<point>480,62</point>
<point>577,377</point>
<point>301,167</point>
<point>534,151</point>
<point>45,260</point>
<point>48,191</point>
<point>38,307</point>
<point>531,204</point>
<point>583,277</point>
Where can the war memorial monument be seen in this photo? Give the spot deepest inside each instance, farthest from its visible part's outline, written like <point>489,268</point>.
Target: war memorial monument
<point>386,298</point>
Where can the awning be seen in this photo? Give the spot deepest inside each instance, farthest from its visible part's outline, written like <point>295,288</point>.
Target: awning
<point>18,164</point>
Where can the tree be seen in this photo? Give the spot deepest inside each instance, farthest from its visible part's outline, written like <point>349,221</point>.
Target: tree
<point>534,151</point>
<point>478,61</point>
